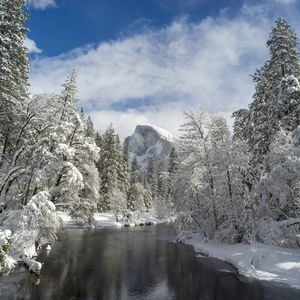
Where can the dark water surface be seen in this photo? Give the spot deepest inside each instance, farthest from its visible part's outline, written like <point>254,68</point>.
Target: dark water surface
<point>133,263</point>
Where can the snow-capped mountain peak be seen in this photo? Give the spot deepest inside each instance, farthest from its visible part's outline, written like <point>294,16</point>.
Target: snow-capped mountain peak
<point>149,140</point>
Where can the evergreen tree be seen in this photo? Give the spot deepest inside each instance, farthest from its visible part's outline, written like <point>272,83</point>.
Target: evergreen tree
<point>134,171</point>
<point>123,174</point>
<point>108,168</point>
<point>90,131</point>
<point>68,97</point>
<point>172,161</point>
<point>151,176</point>
<point>266,111</point>
<point>75,157</point>
<point>126,154</point>
<point>98,139</point>
<point>13,74</point>
<point>241,126</point>
<point>134,197</point>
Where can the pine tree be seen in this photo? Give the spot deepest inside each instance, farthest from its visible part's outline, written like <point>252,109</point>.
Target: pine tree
<point>13,55</point>
<point>76,186</point>
<point>13,72</point>
<point>151,176</point>
<point>126,154</point>
<point>282,44</point>
<point>90,131</point>
<point>98,139</point>
<point>133,198</point>
<point>123,174</point>
<point>241,126</point>
<point>173,162</point>
<point>134,171</point>
<point>108,168</point>
<point>68,97</point>
<point>266,111</point>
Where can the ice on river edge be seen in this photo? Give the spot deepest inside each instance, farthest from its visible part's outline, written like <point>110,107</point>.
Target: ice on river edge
<point>264,262</point>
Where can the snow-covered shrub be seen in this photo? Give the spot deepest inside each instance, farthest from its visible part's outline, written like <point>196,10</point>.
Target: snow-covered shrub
<point>164,207</point>
<point>37,221</point>
<point>277,233</point>
<point>6,262</point>
<point>118,203</point>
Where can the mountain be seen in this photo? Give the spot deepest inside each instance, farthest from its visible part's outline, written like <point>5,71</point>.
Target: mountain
<point>149,140</point>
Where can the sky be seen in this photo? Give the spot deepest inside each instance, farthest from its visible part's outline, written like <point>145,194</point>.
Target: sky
<point>147,61</point>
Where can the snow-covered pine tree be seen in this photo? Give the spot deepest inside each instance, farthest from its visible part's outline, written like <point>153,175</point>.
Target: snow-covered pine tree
<point>278,212</point>
<point>112,169</point>
<point>163,203</point>
<point>126,154</point>
<point>132,197</point>
<point>241,126</point>
<point>13,74</point>
<point>273,116</point>
<point>90,131</point>
<point>151,176</point>
<point>288,104</point>
<point>68,98</point>
<point>266,111</point>
<point>123,174</point>
<point>173,161</point>
<point>98,139</point>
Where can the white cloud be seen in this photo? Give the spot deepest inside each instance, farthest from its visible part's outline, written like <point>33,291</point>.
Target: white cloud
<point>167,117</point>
<point>285,1</point>
<point>42,4</point>
<point>205,64</point>
<point>31,46</point>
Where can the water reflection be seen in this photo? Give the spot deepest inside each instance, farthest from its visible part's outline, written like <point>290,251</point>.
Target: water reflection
<point>131,263</point>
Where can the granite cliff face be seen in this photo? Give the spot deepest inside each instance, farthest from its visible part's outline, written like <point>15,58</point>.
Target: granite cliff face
<point>149,140</point>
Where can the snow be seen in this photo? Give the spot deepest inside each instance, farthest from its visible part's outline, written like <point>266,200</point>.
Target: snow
<point>33,265</point>
<point>29,251</point>
<point>65,218</point>
<point>149,140</point>
<point>108,219</point>
<point>4,236</point>
<point>259,261</point>
<point>9,262</point>
<point>163,133</point>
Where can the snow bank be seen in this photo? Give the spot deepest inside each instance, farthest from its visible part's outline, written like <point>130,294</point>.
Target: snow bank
<point>108,220</point>
<point>260,261</point>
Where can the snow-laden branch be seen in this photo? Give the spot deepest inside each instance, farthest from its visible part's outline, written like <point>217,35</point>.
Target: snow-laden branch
<point>288,222</point>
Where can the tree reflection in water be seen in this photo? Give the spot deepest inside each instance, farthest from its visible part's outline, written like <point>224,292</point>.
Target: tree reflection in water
<point>129,263</point>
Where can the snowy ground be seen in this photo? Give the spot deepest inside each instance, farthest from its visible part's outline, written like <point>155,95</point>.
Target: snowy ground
<point>260,261</point>
<point>108,220</point>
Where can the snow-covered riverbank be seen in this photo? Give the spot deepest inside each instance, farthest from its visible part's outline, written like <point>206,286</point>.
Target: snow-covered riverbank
<point>109,220</point>
<point>259,261</point>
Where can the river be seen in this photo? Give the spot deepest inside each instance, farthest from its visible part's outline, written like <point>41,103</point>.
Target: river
<point>133,263</point>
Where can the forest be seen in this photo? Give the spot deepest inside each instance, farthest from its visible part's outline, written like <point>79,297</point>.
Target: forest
<point>239,185</point>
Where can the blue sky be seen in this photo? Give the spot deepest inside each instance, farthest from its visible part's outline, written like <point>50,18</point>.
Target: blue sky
<point>145,61</point>
<point>72,23</point>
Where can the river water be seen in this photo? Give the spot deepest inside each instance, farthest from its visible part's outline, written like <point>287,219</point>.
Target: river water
<point>133,263</point>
